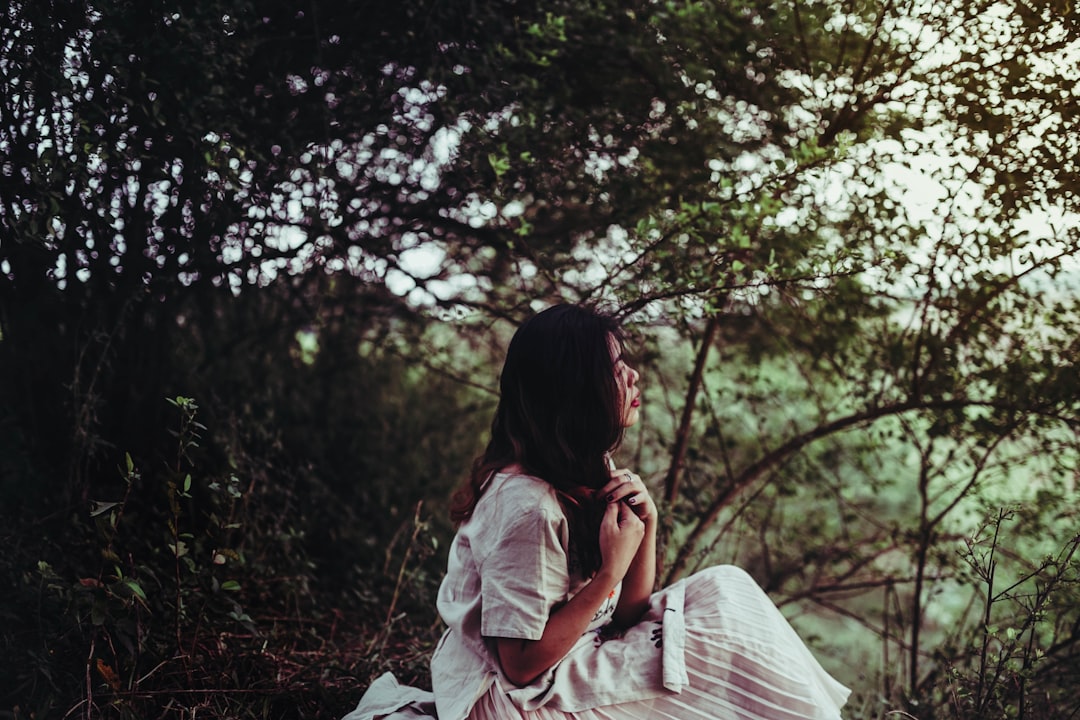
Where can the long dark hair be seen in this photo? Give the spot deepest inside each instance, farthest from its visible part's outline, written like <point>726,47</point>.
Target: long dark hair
<point>559,414</point>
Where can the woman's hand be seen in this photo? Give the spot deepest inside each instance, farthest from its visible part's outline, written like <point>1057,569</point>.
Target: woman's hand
<point>627,487</point>
<point>626,491</point>
<point>621,532</point>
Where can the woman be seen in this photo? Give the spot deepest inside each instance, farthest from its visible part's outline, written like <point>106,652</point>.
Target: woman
<point>548,595</point>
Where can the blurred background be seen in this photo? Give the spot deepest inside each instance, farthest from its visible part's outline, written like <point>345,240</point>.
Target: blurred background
<point>259,262</point>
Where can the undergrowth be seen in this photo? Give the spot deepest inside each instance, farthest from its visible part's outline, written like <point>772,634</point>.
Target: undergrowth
<point>186,592</point>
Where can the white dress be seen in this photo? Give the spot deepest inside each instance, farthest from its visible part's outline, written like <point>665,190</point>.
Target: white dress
<point>710,646</point>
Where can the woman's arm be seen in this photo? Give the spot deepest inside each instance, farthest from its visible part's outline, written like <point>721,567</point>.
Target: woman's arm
<point>627,488</point>
<point>637,586</point>
<point>621,533</point>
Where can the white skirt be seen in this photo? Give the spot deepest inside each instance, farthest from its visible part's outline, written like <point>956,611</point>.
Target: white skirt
<point>742,660</point>
<point>725,652</point>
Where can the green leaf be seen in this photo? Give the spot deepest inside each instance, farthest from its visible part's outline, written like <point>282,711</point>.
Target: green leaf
<point>135,588</point>
<point>97,507</point>
<point>499,164</point>
<point>230,585</point>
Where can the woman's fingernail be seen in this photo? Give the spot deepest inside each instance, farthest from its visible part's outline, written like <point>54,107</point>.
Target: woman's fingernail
<point>631,501</point>
<point>610,497</point>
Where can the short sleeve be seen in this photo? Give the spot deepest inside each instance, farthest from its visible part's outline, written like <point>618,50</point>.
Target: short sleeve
<point>523,573</point>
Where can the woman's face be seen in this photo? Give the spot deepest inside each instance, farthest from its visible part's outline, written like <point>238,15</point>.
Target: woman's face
<point>626,379</point>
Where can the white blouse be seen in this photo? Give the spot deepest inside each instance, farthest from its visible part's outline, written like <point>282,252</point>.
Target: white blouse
<point>508,570</point>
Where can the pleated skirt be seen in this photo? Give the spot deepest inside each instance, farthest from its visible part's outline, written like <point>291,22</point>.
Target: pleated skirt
<point>743,661</point>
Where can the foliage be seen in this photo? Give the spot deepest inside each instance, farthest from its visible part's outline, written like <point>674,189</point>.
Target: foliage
<point>1020,664</point>
<point>156,590</point>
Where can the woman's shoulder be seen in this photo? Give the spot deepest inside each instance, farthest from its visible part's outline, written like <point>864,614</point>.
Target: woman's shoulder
<point>515,481</point>
<point>514,490</point>
<point>516,511</point>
